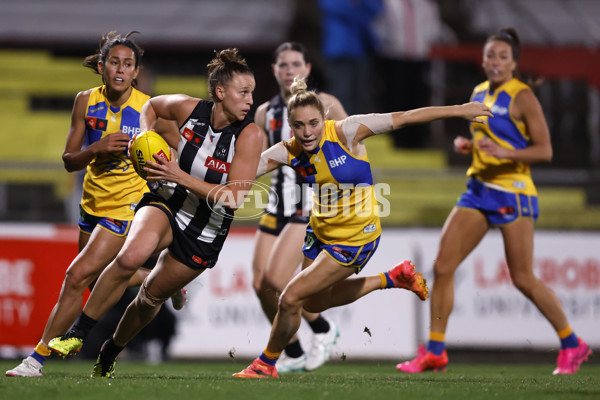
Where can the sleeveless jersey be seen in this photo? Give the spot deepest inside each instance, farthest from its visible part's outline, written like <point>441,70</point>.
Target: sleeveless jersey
<point>513,176</point>
<point>345,209</point>
<point>205,154</point>
<point>287,195</point>
<point>111,187</point>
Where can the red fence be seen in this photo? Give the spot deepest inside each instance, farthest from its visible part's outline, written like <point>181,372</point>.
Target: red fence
<point>32,268</point>
<point>579,63</point>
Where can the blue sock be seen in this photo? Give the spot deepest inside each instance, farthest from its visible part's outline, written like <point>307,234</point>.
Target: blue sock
<point>569,342</point>
<point>38,357</point>
<point>388,281</point>
<point>268,360</point>
<point>436,347</point>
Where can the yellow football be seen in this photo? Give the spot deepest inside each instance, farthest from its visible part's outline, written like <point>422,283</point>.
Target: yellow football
<point>143,147</point>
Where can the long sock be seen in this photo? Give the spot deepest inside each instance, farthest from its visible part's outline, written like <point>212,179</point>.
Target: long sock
<point>40,353</point>
<point>110,349</point>
<point>268,357</point>
<point>82,326</point>
<point>294,349</point>
<point>319,325</point>
<point>436,343</point>
<point>568,339</point>
<point>386,281</point>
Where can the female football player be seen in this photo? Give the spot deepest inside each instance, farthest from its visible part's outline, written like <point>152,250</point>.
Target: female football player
<point>344,227</point>
<point>103,120</point>
<point>500,193</point>
<point>187,217</point>
<point>278,246</point>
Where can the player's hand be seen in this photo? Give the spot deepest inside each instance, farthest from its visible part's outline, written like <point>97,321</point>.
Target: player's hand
<point>470,111</point>
<point>161,169</point>
<point>463,145</point>
<point>129,145</point>
<point>117,141</point>
<point>491,148</point>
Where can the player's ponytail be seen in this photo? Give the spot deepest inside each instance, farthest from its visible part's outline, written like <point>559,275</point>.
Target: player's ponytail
<point>222,67</point>
<point>302,97</point>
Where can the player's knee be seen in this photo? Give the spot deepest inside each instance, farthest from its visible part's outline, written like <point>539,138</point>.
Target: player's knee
<point>274,280</point>
<point>442,269</point>
<point>288,302</point>
<point>265,291</point>
<point>257,285</point>
<point>130,261</point>
<point>146,299</point>
<point>523,284</point>
<point>77,278</point>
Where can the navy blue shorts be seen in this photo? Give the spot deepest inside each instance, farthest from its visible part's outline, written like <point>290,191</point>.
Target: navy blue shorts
<point>184,248</point>
<point>498,206</point>
<point>87,223</point>
<point>348,256</point>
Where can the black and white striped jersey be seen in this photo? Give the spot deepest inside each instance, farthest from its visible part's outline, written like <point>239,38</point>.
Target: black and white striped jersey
<point>205,154</point>
<point>288,196</point>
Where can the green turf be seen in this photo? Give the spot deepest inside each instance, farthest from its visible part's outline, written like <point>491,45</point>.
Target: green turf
<point>340,380</point>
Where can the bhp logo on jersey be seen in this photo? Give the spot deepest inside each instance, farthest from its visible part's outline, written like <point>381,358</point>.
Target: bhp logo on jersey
<point>336,162</point>
<point>217,165</point>
<point>247,198</point>
<point>130,130</point>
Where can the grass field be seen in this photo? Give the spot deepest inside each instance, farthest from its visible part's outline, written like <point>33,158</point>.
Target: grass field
<point>340,380</point>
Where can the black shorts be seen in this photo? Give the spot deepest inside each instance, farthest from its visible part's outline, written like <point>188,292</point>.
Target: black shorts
<point>184,248</point>
<point>273,224</point>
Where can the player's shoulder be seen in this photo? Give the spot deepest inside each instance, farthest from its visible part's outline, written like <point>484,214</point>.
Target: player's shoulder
<point>84,96</point>
<point>481,87</point>
<point>262,109</point>
<point>326,97</point>
<point>88,92</point>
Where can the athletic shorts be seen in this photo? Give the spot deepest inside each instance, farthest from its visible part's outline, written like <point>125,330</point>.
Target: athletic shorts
<point>498,206</point>
<point>184,248</point>
<point>87,223</point>
<point>348,256</point>
<point>273,224</point>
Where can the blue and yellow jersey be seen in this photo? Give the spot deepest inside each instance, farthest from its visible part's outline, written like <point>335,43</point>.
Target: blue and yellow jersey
<point>508,132</point>
<point>111,185</point>
<point>345,209</point>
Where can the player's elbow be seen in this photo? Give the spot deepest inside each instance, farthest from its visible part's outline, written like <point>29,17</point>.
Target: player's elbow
<point>547,154</point>
<point>70,166</point>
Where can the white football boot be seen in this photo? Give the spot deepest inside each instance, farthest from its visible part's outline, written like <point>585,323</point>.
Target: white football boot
<point>28,367</point>
<point>286,363</point>
<point>320,350</point>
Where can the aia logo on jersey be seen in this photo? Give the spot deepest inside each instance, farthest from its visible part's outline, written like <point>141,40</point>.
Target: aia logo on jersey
<point>309,170</point>
<point>97,123</point>
<point>217,165</point>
